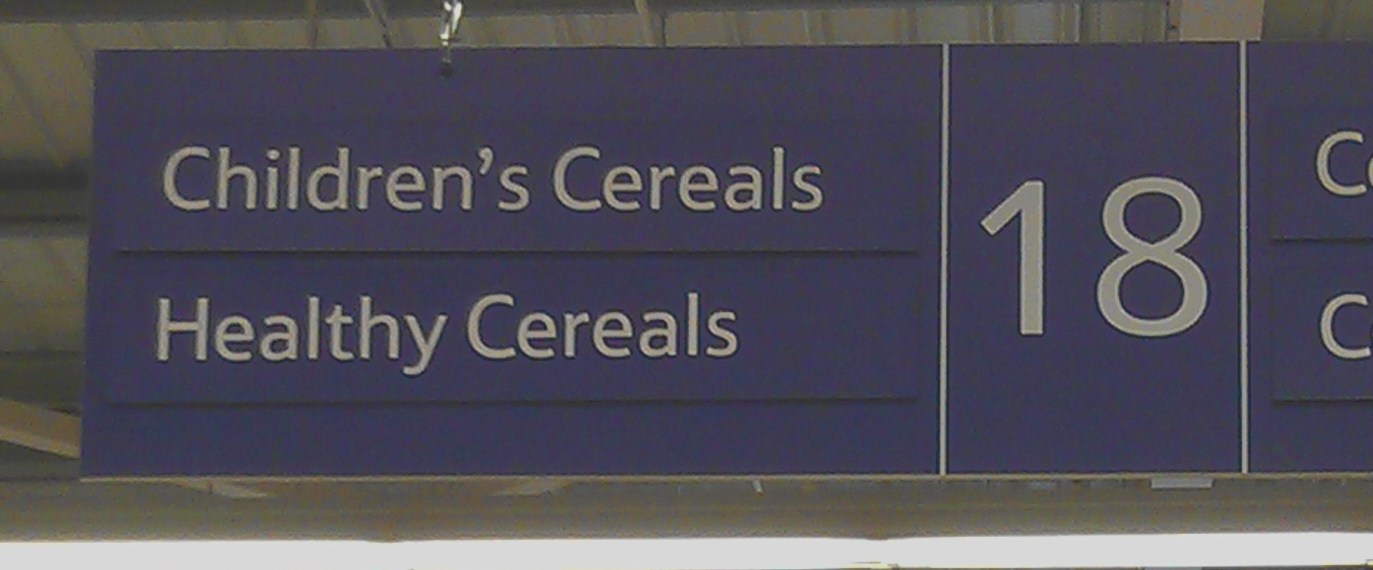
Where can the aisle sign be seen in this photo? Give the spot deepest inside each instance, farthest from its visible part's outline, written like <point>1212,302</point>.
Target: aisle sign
<point>343,263</point>
<point>921,261</point>
<point>1311,257</point>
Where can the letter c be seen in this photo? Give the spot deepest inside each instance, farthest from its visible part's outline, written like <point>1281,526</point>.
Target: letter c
<point>1323,165</point>
<point>560,179</point>
<point>474,320</point>
<point>1328,329</point>
<point>169,179</point>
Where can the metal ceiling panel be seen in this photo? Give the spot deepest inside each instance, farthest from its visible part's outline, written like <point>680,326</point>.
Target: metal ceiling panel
<point>41,305</point>
<point>50,379</point>
<point>784,27</point>
<point>21,139</point>
<point>272,34</point>
<point>1355,22</point>
<point>182,10</point>
<point>519,31</point>
<point>39,328</point>
<point>739,29</point>
<point>1297,19</point>
<point>1141,21</point>
<point>68,255</point>
<point>108,36</point>
<point>1034,23</point>
<point>168,10</point>
<point>480,32</point>
<point>65,327</point>
<point>23,464</point>
<point>188,35</point>
<point>43,280</point>
<point>128,35</point>
<point>350,34</point>
<point>698,29</point>
<point>424,32</point>
<point>611,30</point>
<point>23,328</point>
<point>865,26</point>
<point>49,76</point>
<point>945,24</point>
<point>565,32</point>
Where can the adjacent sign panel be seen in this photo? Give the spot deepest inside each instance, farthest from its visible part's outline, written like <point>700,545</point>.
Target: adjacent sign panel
<point>1312,257</point>
<point>970,260</point>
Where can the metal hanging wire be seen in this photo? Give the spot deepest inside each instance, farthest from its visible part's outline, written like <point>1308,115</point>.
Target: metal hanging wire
<point>448,34</point>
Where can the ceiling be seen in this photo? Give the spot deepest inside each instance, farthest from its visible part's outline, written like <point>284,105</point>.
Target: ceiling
<point>46,67</point>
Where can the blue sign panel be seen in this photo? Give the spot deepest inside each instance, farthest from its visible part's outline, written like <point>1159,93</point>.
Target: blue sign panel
<point>1311,273</point>
<point>1098,219</point>
<point>523,150</point>
<point>924,261</point>
<point>554,262</point>
<point>1320,332</point>
<point>520,328</point>
<point>661,438</point>
<point>1319,166</point>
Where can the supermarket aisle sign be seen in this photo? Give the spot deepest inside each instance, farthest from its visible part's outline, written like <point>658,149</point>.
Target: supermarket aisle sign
<point>924,260</point>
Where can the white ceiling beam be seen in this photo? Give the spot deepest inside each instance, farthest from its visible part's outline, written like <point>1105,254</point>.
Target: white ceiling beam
<point>40,429</point>
<point>57,433</point>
